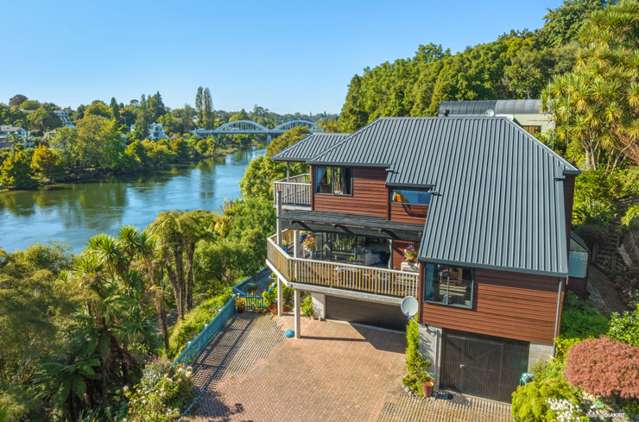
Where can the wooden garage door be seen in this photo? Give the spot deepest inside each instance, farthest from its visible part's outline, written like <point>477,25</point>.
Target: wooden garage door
<point>376,314</point>
<point>482,366</point>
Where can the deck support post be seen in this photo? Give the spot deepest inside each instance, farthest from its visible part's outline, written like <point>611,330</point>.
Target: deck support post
<point>280,297</point>
<point>278,212</point>
<point>296,244</point>
<point>296,323</point>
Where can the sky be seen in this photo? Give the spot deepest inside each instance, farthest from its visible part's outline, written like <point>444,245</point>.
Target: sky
<point>287,56</point>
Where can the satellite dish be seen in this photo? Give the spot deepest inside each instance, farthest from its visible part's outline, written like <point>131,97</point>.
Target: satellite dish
<point>409,306</point>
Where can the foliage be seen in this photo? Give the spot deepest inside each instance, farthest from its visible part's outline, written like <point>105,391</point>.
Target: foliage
<point>161,394</point>
<point>625,327</point>
<point>604,367</point>
<point>595,105</point>
<point>417,365</point>
<point>532,401</point>
<point>15,171</point>
<point>579,321</point>
<point>631,217</point>
<point>194,321</point>
<point>46,163</point>
<point>307,306</point>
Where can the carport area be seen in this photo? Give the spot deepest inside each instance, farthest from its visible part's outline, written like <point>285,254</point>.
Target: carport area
<point>335,372</point>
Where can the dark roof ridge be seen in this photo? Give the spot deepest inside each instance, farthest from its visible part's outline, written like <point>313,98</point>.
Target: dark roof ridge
<point>309,137</point>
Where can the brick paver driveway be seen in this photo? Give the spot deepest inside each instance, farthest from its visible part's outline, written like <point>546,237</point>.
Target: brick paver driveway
<point>335,372</point>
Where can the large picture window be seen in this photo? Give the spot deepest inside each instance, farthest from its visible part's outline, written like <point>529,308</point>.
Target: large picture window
<point>448,285</point>
<point>333,180</point>
<point>411,196</point>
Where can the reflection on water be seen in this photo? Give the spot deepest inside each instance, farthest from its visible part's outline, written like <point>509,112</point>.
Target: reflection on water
<point>72,213</point>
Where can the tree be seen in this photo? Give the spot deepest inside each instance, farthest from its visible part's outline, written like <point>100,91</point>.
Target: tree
<point>15,171</point>
<point>115,110</point>
<point>207,108</point>
<point>156,107</point>
<point>604,367</point>
<point>142,120</point>
<point>46,163</point>
<point>596,106</point>
<point>353,116</point>
<point>563,24</point>
<point>43,119</point>
<point>16,100</point>
<point>98,143</point>
<point>199,106</point>
<point>98,108</point>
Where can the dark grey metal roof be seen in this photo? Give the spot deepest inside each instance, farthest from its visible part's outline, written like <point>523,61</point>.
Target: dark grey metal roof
<point>490,107</point>
<point>499,200</point>
<point>309,147</point>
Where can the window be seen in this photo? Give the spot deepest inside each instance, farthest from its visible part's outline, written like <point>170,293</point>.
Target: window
<point>532,129</point>
<point>333,180</point>
<point>448,285</point>
<point>411,197</point>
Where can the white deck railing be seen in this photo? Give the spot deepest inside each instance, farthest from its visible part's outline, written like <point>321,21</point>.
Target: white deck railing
<point>296,190</point>
<point>380,281</point>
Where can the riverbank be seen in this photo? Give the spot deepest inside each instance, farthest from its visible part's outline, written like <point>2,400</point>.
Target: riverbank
<point>71,213</point>
<point>128,172</point>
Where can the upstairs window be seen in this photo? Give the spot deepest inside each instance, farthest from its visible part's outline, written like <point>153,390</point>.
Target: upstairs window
<point>333,180</point>
<point>448,285</point>
<point>411,197</point>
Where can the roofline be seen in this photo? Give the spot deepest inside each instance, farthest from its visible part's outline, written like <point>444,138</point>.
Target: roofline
<point>494,267</point>
<point>411,185</point>
<point>301,160</point>
<point>347,164</point>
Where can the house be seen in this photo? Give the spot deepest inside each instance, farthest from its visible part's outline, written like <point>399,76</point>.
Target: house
<point>469,214</point>
<point>64,118</point>
<point>156,131</point>
<point>7,131</point>
<point>528,113</point>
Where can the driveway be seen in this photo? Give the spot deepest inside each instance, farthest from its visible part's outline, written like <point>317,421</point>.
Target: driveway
<point>335,372</point>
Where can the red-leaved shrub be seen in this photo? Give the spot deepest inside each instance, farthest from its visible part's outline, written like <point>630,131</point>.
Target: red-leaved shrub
<point>604,368</point>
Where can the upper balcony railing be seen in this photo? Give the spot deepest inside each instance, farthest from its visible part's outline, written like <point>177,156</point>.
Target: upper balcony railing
<point>296,190</point>
<point>360,278</point>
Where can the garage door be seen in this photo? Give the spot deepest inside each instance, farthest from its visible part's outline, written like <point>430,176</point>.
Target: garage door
<point>482,366</point>
<point>376,314</point>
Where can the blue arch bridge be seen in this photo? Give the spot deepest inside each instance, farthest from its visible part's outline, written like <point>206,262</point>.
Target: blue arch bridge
<point>248,127</point>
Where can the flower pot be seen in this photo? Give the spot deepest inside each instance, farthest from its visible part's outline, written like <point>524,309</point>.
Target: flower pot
<point>428,388</point>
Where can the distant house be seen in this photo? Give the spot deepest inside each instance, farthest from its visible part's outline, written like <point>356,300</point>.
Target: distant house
<point>6,131</point>
<point>64,118</point>
<point>527,113</point>
<point>467,212</point>
<point>156,131</point>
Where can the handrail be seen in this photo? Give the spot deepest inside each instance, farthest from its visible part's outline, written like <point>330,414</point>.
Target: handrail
<point>295,190</point>
<point>383,281</point>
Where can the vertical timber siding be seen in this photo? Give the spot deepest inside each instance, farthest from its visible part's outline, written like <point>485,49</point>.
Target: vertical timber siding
<point>511,305</point>
<point>369,195</point>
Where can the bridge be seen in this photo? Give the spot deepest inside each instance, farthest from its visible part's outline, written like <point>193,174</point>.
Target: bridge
<point>249,127</point>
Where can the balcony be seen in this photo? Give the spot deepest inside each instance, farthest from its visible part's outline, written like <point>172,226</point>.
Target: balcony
<point>359,279</point>
<point>295,191</point>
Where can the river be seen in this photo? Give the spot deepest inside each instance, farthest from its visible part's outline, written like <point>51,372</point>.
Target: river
<point>71,213</point>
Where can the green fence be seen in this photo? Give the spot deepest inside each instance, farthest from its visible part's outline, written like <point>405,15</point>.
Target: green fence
<point>250,290</point>
<point>209,332</point>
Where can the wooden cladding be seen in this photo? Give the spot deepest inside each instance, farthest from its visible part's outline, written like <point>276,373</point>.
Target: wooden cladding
<point>407,213</point>
<point>511,305</point>
<point>369,195</point>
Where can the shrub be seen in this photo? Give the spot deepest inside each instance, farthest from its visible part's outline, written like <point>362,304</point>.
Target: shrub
<point>194,321</point>
<point>547,395</point>
<point>161,394</point>
<point>417,365</point>
<point>579,321</point>
<point>307,306</point>
<point>625,327</point>
<point>604,367</point>
<point>631,217</point>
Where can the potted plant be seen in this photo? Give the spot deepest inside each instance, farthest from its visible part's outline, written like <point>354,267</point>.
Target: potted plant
<point>240,304</point>
<point>410,259</point>
<point>309,243</point>
<point>428,386</point>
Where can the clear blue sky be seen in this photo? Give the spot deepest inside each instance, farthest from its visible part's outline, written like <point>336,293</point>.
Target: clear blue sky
<point>284,55</point>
